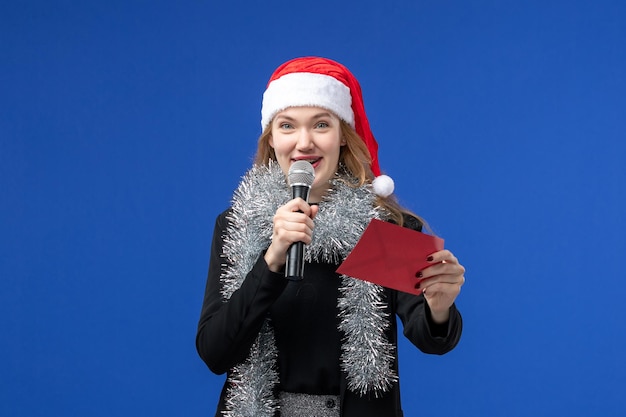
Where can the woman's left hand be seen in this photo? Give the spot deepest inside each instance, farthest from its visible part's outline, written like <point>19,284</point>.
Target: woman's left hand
<point>441,283</point>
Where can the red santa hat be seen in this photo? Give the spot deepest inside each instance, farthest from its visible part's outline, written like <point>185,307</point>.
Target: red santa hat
<point>321,82</point>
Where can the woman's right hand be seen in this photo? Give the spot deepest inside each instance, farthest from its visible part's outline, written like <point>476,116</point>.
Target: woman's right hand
<point>293,222</point>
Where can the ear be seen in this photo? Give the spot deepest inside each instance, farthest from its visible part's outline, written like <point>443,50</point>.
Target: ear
<point>343,142</point>
<point>270,141</point>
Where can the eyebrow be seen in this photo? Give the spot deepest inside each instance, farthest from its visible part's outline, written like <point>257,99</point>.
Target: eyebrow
<point>316,116</point>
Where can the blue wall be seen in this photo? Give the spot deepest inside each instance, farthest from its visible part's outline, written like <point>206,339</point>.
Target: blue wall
<point>125,127</point>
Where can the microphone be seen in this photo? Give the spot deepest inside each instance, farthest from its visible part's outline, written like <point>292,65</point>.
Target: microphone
<point>300,178</point>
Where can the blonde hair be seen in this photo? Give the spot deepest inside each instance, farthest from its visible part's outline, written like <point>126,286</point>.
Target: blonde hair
<point>355,157</point>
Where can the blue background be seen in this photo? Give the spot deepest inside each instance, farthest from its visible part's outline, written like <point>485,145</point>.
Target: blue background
<point>125,126</point>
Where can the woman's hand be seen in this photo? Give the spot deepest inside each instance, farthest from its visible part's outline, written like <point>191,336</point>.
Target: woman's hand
<point>293,222</point>
<point>441,283</point>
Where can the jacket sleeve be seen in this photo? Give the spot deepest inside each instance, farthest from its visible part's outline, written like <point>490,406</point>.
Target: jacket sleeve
<point>421,330</point>
<point>418,325</point>
<point>228,328</point>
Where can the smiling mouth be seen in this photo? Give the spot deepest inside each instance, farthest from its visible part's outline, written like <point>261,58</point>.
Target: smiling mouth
<point>314,162</point>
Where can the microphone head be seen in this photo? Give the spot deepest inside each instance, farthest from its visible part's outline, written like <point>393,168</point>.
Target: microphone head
<point>301,173</point>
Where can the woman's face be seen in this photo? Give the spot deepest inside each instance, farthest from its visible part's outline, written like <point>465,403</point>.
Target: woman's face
<point>312,134</point>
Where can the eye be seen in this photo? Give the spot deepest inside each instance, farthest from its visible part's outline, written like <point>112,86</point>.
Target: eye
<point>285,125</point>
<point>322,125</point>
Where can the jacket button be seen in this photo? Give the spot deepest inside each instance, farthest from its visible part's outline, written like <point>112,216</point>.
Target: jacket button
<point>330,403</point>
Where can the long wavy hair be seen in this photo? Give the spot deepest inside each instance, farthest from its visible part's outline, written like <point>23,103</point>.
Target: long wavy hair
<point>355,157</point>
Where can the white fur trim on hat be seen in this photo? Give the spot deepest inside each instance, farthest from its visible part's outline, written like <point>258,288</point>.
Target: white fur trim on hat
<point>307,89</point>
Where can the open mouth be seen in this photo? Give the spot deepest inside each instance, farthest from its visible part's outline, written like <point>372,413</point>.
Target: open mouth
<point>315,162</point>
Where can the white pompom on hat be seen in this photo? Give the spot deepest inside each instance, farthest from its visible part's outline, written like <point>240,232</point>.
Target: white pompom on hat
<point>321,82</point>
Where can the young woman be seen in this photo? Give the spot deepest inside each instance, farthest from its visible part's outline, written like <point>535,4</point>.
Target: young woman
<point>325,345</point>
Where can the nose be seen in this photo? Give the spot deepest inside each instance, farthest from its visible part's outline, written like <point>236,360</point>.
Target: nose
<point>305,139</point>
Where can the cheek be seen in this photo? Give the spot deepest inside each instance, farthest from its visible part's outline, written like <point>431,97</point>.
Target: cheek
<point>335,152</point>
<point>280,144</point>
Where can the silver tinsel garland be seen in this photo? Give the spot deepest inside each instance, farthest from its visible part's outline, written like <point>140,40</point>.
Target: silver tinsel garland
<point>367,356</point>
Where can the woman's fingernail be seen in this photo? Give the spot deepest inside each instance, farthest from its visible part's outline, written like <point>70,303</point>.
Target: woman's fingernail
<point>429,259</point>
<point>419,274</point>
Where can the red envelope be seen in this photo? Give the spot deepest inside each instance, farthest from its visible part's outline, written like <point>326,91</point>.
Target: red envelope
<point>389,255</point>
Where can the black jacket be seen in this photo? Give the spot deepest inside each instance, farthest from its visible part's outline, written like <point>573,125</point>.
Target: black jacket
<point>304,317</point>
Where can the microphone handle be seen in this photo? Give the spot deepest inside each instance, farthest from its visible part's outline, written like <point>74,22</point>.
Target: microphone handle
<point>294,267</point>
